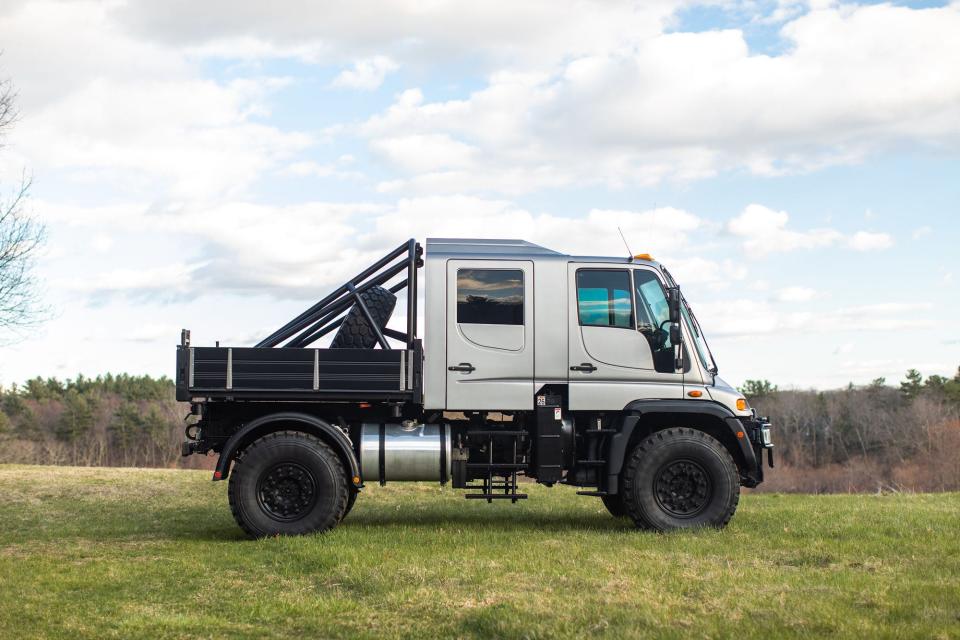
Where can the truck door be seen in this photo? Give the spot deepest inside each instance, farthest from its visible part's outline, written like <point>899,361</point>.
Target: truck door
<point>618,351</point>
<point>489,334</point>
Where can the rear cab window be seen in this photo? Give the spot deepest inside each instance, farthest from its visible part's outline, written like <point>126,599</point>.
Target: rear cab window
<point>490,296</point>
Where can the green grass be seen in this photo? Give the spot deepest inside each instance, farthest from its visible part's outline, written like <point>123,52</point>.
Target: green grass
<point>101,553</point>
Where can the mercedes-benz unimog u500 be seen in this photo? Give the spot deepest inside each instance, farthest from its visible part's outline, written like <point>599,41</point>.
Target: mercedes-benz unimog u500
<point>585,371</point>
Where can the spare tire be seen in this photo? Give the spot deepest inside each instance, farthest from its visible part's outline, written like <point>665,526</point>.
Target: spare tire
<point>356,332</point>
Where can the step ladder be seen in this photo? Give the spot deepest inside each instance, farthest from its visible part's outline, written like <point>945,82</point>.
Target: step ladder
<point>500,480</point>
<point>594,459</point>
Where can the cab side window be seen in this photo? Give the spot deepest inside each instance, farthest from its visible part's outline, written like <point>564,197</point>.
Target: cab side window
<point>490,296</point>
<point>604,299</point>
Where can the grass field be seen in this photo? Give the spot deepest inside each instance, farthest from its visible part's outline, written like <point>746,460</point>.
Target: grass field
<point>100,553</point>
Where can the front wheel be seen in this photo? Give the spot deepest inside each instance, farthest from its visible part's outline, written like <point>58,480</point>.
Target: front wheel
<point>680,479</point>
<point>288,483</point>
<point>615,506</point>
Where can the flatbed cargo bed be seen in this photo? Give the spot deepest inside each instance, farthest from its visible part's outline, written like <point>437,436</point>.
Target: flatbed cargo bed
<point>262,373</point>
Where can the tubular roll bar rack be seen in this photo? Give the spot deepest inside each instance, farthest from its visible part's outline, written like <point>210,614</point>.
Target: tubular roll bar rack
<point>328,314</point>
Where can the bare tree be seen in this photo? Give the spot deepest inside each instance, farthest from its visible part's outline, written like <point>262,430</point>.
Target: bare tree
<point>20,237</point>
<point>8,106</point>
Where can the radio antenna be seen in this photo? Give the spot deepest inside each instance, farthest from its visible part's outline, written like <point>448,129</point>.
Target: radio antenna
<point>622,237</point>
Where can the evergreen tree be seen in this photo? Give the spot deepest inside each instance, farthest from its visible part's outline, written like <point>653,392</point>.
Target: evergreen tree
<point>126,425</point>
<point>935,383</point>
<point>755,389</point>
<point>912,385</point>
<point>77,417</point>
<point>155,426</point>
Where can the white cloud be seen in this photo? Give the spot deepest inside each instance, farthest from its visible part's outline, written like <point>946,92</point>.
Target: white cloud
<point>153,332</point>
<point>166,282</point>
<point>695,271</point>
<point>727,318</point>
<point>845,348</point>
<point>488,33</point>
<point>102,242</point>
<point>764,231</point>
<point>596,94</point>
<point>684,106</point>
<point>367,74</point>
<point>796,294</point>
<point>921,232</point>
<point>662,230</point>
<point>867,241</point>
<point>336,169</point>
<point>237,249</point>
<point>107,108</point>
<point>425,153</point>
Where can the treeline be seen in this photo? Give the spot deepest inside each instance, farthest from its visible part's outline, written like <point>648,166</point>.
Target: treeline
<point>877,437</point>
<point>871,438</point>
<point>111,420</point>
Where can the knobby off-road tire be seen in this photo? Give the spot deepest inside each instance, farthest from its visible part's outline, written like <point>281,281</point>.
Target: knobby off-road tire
<point>614,505</point>
<point>678,479</point>
<point>288,483</point>
<point>356,332</point>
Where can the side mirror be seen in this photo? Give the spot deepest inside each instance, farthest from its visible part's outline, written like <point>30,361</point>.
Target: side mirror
<point>673,298</point>
<point>676,336</point>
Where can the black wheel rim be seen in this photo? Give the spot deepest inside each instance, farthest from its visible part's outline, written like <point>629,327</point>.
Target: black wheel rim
<point>683,488</point>
<point>286,491</point>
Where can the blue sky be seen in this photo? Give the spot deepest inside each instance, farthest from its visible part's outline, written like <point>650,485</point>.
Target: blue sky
<point>795,164</point>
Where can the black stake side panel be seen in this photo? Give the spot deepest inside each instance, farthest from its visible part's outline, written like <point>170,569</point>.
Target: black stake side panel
<point>275,372</point>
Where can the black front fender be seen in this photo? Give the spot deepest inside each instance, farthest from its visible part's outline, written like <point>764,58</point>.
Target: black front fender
<point>742,451</point>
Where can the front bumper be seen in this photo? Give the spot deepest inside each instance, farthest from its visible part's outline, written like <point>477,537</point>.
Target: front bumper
<point>753,436</point>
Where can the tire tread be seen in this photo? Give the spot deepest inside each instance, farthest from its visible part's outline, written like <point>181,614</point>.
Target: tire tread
<point>635,462</point>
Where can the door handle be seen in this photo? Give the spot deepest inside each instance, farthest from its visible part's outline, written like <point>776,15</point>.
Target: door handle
<point>465,367</point>
<point>586,367</point>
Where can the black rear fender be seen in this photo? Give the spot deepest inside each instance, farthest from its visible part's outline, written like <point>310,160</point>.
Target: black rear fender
<point>290,421</point>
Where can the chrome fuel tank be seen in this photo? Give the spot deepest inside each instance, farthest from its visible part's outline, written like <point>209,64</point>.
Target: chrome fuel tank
<point>410,451</point>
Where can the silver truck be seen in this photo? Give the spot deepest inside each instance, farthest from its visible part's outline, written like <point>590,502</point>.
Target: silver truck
<point>578,370</point>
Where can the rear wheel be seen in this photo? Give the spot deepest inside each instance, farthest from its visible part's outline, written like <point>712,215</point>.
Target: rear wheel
<point>350,501</point>
<point>679,479</point>
<point>288,483</point>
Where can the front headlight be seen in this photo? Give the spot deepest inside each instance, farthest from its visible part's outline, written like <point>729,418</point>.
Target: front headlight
<point>765,438</point>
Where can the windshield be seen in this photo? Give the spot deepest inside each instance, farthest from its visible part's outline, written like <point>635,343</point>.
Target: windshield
<point>700,341</point>
<point>703,350</point>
